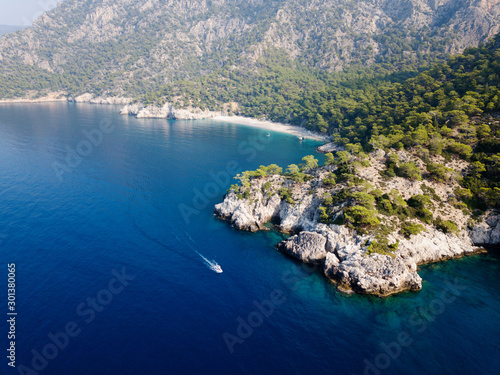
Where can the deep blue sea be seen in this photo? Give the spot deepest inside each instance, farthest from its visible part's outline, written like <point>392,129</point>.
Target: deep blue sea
<point>109,279</point>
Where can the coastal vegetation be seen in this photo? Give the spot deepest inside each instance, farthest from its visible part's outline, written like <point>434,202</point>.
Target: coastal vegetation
<point>354,201</point>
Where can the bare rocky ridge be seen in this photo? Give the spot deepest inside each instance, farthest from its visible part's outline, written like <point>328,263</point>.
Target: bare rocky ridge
<point>342,253</point>
<point>6,29</point>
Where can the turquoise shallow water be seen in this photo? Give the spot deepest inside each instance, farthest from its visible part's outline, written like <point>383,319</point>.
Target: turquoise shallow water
<point>141,202</point>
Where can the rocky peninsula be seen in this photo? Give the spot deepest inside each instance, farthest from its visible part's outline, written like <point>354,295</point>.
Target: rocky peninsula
<point>368,230</point>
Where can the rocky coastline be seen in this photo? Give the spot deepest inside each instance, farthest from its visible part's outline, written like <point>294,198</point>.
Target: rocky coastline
<point>168,111</point>
<point>92,99</point>
<point>343,254</point>
<point>63,97</point>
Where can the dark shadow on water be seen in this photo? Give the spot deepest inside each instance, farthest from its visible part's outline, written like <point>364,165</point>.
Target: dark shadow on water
<point>493,250</point>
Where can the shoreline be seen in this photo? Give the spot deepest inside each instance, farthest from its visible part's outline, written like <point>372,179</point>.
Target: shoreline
<point>273,126</point>
<point>240,120</point>
<point>63,97</point>
<point>47,100</point>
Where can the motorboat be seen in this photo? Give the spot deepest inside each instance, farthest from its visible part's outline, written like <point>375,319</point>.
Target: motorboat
<point>217,268</point>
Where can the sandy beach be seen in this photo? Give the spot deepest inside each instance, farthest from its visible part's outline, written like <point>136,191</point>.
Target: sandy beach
<point>273,126</point>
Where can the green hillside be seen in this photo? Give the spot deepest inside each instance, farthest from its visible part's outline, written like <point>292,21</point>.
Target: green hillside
<point>132,48</point>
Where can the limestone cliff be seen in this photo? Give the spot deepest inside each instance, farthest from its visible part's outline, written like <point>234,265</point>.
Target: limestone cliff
<point>168,111</point>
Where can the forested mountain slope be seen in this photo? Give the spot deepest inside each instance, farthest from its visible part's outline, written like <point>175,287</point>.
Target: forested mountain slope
<point>130,47</point>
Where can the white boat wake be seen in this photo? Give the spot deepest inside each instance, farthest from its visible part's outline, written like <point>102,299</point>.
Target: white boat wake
<point>211,264</point>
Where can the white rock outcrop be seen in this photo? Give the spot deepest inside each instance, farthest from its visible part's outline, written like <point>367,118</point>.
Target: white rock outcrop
<point>376,274</point>
<point>91,98</point>
<point>330,147</point>
<point>308,247</point>
<point>167,111</point>
<point>487,231</point>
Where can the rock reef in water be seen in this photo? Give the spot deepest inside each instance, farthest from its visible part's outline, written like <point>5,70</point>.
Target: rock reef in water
<point>330,147</point>
<point>345,255</point>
